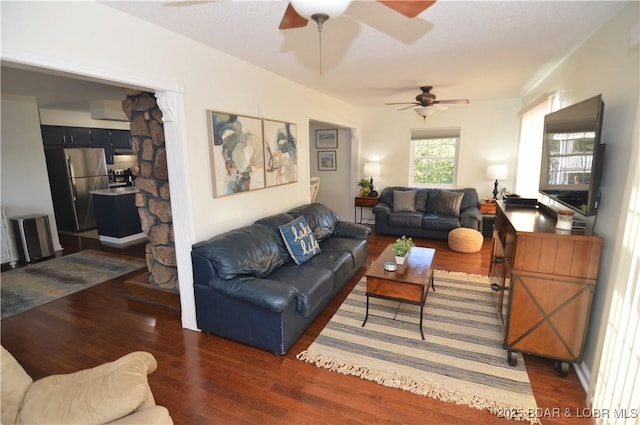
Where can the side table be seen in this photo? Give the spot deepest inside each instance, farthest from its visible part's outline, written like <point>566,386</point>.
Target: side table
<point>363,202</point>
<point>488,211</point>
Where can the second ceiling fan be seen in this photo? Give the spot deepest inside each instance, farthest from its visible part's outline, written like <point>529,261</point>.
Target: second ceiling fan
<point>426,98</point>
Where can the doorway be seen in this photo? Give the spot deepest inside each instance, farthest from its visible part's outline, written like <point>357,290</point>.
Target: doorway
<point>333,164</point>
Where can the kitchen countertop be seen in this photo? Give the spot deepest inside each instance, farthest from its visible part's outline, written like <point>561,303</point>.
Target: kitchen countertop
<point>116,191</point>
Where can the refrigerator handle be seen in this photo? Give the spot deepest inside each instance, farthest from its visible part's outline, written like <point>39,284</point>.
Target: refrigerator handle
<point>74,190</point>
<point>70,167</point>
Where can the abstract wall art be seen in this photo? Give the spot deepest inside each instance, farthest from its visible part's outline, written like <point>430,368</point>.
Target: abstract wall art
<point>237,147</point>
<point>280,152</point>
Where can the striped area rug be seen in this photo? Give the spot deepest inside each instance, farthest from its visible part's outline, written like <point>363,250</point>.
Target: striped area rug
<point>461,359</point>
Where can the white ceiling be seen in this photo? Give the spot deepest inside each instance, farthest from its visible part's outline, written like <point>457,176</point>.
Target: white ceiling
<point>372,55</point>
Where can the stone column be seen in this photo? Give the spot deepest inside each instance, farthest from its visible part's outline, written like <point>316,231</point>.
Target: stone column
<point>153,200</point>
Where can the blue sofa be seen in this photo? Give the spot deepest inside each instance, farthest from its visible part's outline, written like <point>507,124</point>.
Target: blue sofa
<point>248,288</point>
<point>425,220</point>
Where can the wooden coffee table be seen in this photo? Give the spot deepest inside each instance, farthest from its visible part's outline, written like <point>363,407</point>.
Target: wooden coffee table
<point>408,284</point>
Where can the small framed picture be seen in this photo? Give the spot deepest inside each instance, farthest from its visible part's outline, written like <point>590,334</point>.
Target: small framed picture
<point>327,161</point>
<point>327,139</point>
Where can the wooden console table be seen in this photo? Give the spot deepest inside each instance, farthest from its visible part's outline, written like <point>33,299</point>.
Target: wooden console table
<point>544,281</point>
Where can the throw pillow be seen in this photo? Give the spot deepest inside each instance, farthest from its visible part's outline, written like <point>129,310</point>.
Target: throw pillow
<point>299,239</point>
<point>404,200</point>
<point>449,203</point>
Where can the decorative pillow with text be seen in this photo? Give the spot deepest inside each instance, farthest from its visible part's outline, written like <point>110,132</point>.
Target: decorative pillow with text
<point>299,239</point>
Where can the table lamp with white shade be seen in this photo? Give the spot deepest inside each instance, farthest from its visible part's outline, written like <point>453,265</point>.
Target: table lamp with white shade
<point>497,172</point>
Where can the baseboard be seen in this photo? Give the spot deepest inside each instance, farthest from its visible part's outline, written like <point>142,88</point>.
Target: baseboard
<point>584,375</point>
<point>139,289</point>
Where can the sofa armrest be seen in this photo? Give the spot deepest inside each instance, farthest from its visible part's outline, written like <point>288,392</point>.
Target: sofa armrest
<point>156,415</point>
<point>381,207</point>
<point>351,230</point>
<point>266,293</point>
<point>471,217</point>
<point>99,395</point>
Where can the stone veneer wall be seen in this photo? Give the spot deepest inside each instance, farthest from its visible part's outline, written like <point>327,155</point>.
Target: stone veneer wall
<point>153,200</point>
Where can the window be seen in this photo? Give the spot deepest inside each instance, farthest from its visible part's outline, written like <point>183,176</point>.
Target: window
<point>530,147</point>
<point>434,157</point>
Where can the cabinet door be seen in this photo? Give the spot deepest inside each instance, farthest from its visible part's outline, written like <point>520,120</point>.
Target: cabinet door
<point>101,138</point>
<point>79,136</point>
<point>121,139</point>
<point>54,135</point>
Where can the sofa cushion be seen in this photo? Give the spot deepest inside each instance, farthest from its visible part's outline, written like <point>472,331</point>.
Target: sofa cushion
<point>404,200</point>
<point>251,250</point>
<point>410,219</point>
<point>314,284</point>
<point>299,239</point>
<point>15,383</point>
<point>321,219</point>
<point>273,222</point>
<point>440,222</point>
<point>449,203</point>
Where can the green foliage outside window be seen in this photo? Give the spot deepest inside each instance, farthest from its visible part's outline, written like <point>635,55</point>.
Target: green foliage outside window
<point>434,160</point>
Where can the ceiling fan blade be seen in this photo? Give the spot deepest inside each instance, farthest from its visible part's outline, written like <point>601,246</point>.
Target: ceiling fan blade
<point>402,103</point>
<point>292,19</point>
<point>410,106</point>
<point>410,9</point>
<point>465,101</point>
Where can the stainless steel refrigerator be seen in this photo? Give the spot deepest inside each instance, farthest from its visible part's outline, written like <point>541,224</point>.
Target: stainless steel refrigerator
<point>73,172</point>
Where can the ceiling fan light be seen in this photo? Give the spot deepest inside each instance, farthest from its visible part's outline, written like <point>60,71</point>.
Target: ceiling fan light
<point>427,111</point>
<point>331,8</point>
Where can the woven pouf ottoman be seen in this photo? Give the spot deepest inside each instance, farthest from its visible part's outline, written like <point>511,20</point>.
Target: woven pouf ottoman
<point>465,240</point>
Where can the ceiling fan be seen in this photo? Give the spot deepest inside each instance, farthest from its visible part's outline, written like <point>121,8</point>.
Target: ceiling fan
<point>426,98</point>
<point>299,12</point>
<point>427,104</point>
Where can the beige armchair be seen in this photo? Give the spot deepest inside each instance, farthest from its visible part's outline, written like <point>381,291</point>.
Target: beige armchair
<point>113,393</point>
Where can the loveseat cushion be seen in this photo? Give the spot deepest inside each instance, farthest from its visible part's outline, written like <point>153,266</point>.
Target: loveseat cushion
<point>440,222</point>
<point>321,219</point>
<point>299,240</point>
<point>409,219</point>
<point>251,250</point>
<point>404,200</point>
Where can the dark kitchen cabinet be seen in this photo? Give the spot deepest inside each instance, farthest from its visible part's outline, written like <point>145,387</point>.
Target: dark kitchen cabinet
<point>110,140</point>
<point>79,136</point>
<point>121,139</point>
<point>55,135</point>
<point>101,138</point>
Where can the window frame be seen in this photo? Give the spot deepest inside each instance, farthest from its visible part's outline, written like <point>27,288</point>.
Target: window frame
<point>422,134</point>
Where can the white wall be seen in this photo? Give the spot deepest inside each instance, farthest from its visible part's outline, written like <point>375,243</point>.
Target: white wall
<point>24,184</point>
<point>334,185</point>
<point>606,64</point>
<point>488,134</point>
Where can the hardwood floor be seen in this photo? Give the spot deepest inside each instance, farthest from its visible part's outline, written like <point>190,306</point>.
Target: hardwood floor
<point>205,379</point>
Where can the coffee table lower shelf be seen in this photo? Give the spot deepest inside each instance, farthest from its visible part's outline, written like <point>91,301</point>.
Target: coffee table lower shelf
<point>401,300</point>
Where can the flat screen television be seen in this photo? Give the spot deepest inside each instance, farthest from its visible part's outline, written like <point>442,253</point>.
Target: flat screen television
<point>572,156</point>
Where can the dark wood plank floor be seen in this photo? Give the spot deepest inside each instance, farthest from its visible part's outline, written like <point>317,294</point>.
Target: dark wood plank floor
<point>209,380</point>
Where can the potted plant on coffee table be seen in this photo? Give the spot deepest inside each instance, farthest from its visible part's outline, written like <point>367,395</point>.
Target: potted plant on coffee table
<point>401,248</point>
